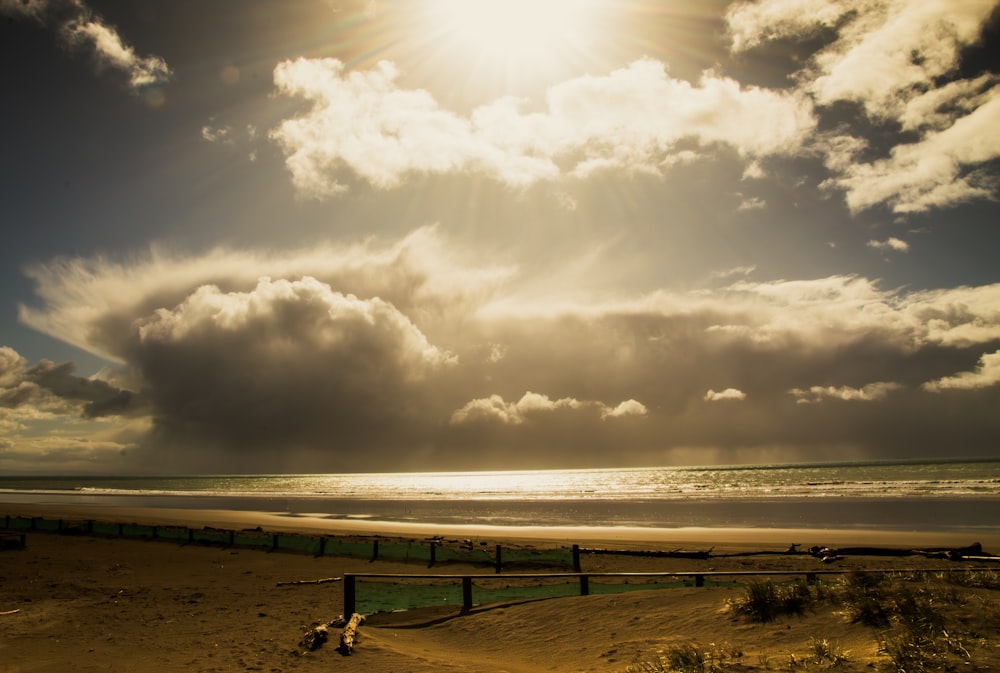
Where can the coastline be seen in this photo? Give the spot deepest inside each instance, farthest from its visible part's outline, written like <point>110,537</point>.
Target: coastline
<point>721,537</point>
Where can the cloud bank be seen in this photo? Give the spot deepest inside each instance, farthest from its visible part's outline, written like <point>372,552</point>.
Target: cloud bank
<point>411,354</point>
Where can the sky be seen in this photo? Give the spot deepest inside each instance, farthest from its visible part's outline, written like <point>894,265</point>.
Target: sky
<point>334,236</point>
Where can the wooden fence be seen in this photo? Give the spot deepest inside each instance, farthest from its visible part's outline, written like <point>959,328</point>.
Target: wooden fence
<point>695,578</point>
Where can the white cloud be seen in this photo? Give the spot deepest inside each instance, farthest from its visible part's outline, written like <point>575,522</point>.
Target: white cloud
<point>752,203</point>
<point>751,23</point>
<point>532,405</point>
<point>217,134</point>
<point>626,408</point>
<point>80,27</point>
<point>931,173</point>
<point>91,303</point>
<point>631,119</point>
<point>112,52</point>
<point>892,243</point>
<point>895,58</point>
<point>987,374</point>
<point>729,394</point>
<point>886,52</point>
<point>754,171</point>
<point>869,393</point>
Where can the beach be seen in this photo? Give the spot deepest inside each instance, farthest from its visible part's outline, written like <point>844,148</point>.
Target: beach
<point>97,603</point>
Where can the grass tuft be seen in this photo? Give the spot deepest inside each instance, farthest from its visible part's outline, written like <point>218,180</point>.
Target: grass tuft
<point>766,601</point>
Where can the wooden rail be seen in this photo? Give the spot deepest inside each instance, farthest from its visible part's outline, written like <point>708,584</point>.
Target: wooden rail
<point>351,584</point>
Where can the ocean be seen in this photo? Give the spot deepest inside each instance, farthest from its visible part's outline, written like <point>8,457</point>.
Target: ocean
<point>957,496</point>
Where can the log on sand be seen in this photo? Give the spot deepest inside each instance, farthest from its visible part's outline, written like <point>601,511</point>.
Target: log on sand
<point>350,633</point>
<point>319,632</point>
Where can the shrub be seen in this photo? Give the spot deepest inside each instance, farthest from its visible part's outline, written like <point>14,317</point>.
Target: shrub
<point>766,601</point>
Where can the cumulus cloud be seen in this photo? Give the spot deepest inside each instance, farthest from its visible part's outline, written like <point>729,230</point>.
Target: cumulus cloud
<point>868,393</point>
<point>932,173</point>
<point>632,119</point>
<point>380,353</point>
<point>53,389</point>
<point>532,405</point>
<point>79,27</point>
<point>724,395</point>
<point>899,60</point>
<point>751,23</point>
<point>987,374</point>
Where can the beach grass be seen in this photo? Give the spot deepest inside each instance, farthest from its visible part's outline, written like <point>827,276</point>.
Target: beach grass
<point>913,622</point>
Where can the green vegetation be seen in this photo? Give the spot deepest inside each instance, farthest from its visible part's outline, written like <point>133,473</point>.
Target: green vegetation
<point>921,623</point>
<point>691,658</point>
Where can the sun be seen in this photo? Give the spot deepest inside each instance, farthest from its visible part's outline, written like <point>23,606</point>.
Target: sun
<point>515,37</point>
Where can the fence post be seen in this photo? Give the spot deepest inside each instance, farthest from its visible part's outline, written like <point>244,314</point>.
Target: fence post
<point>699,580</point>
<point>584,585</point>
<point>576,558</point>
<point>810,578</point>
<point>499,560</point>
<point>374,549</point>
<point>466,593</point>
<point>433,552</point>
<point>350,595</point>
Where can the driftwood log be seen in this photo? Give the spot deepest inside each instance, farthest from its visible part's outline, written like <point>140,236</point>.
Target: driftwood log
<point>350,634</point>
<point>319,581</point>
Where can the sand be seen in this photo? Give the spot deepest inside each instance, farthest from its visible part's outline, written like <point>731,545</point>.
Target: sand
<point>81,603</point>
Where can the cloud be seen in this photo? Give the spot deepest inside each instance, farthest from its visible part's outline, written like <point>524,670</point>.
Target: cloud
<point>752,203</point>
<point>987,374</point>
<point>52,389</point>
<point>80,28</point>
<point>932,173</point>
<point>724,395</point>
<point>884,53</point>
<point>752,23</point>
<point>414,353</point>
<point>899,60</point>
<point>532,405</point>
<point>868,393</point>
<point>892,243</point>
<point>634,119</point>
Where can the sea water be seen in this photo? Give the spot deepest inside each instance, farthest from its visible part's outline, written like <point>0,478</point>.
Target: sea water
<point>941,495</point>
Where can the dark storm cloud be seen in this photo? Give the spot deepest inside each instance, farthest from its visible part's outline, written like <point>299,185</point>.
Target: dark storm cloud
<point>54,386</point>
<point>321,368</point>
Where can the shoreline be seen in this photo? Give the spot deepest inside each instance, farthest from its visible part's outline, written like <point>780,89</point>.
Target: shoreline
<point>719,537</point>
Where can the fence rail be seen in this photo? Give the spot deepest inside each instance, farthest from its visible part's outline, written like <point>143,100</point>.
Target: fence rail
<point>698,578</point>
<point>431,551</point>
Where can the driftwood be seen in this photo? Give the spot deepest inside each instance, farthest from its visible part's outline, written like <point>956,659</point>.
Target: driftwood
<point>10,612</point>
<point>974,550</point>
<point>314,638</point>
<point>319,581</point>
<point>677,553</point>
<point>350,633</point>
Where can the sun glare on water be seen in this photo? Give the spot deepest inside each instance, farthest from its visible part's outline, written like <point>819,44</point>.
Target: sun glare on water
<point>513,35</point>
